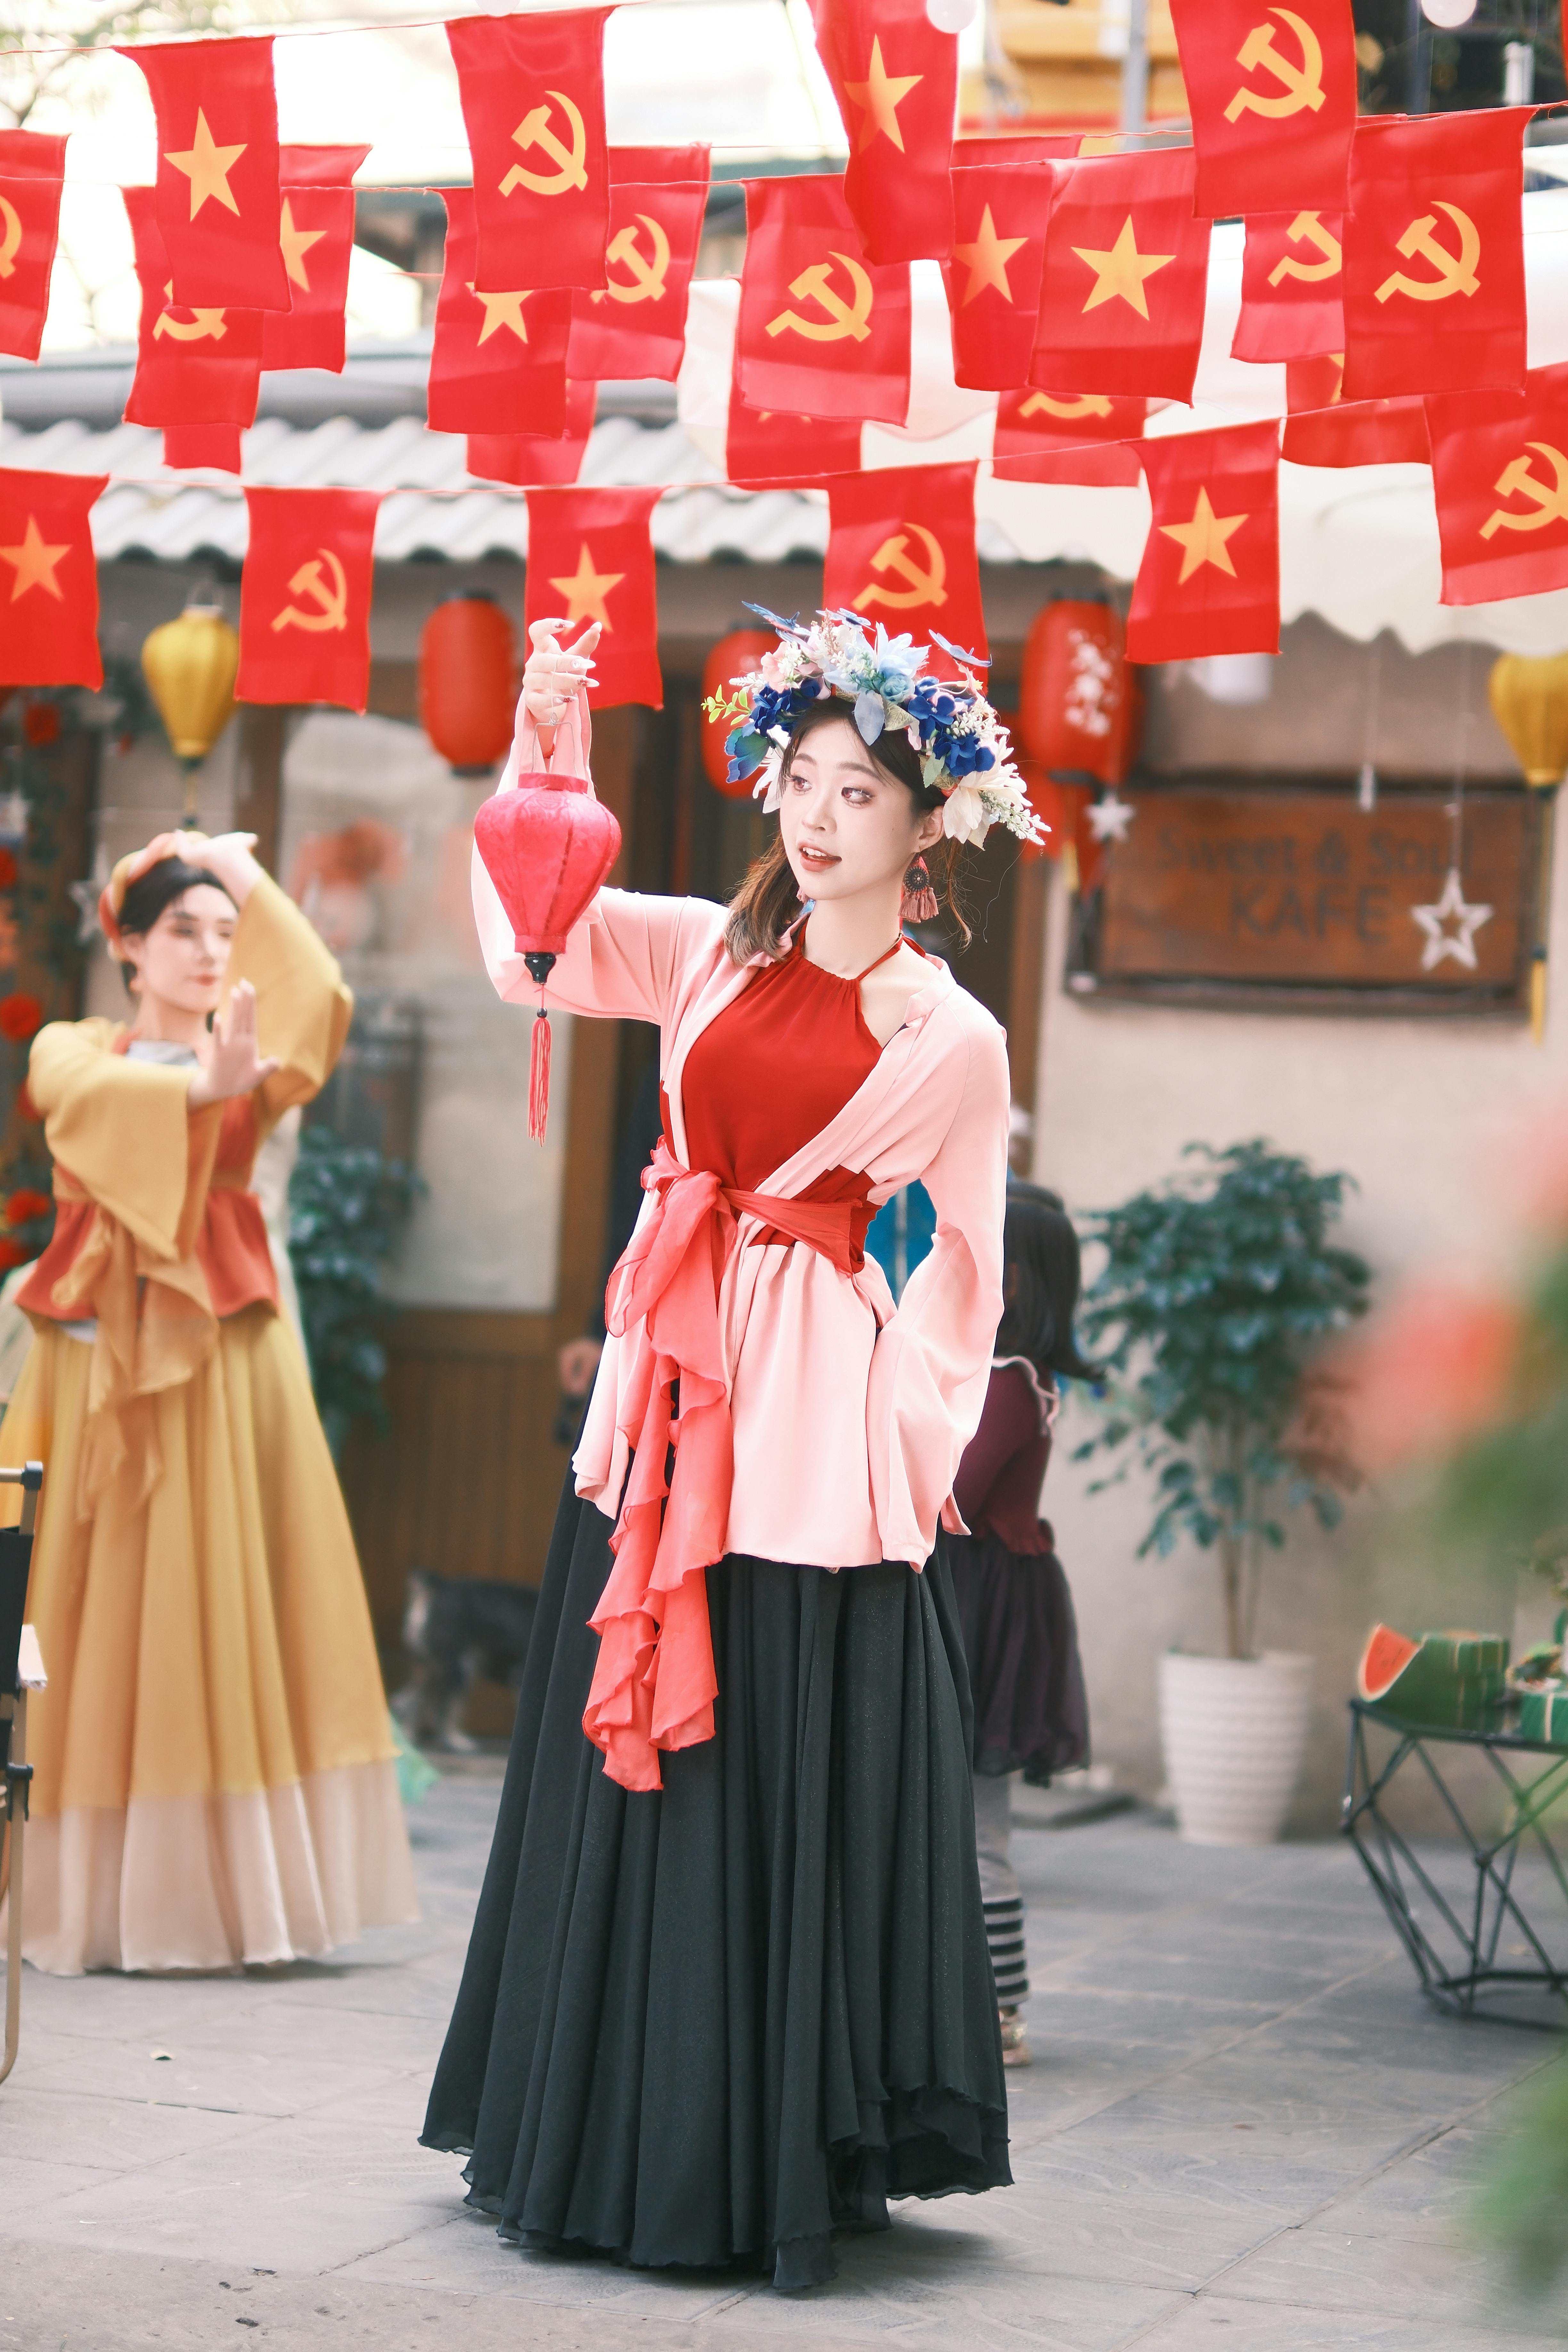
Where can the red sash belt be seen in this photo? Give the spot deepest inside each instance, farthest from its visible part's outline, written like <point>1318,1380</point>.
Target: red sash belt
<point>654,1684</point>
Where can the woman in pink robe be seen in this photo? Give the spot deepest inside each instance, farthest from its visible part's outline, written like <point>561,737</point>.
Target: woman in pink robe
<point>728,1989</point>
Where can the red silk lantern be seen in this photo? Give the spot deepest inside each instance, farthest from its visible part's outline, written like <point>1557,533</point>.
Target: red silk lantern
<point>1079,710</point>
<point>468,682</point>
<point>732,657</point>
<point>547,846</point>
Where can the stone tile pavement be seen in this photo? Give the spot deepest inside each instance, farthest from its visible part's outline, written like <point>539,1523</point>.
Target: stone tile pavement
<point>1244,2131</point>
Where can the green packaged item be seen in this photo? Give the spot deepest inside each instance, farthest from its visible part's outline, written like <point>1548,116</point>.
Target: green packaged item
<point>1543,1713</point>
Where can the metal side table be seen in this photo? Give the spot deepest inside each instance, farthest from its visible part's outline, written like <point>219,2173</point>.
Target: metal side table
<point>1464,1946</point>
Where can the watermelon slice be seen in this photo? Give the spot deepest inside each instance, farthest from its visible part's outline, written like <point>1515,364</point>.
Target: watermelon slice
<point>1449,1681</point>
<point>1384,1659</point>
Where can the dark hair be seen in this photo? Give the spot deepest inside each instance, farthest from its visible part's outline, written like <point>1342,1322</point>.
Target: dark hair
<point>147,896</point>
<point>768,900</point>
<point>1040,1283</point>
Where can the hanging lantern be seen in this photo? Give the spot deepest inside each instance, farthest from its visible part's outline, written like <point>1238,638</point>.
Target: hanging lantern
<point>1079,710</point>
<point>190,665</point>
<point>547,847</point>
<point>732,657</point>
<point>468,682</point>
<point>1530,703</point>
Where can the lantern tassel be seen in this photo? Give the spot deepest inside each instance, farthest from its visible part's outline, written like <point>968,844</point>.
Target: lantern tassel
<point>539,1076</point>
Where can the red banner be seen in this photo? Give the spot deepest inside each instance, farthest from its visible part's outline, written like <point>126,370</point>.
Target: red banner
<point>1000,213</point>
<point>533,91</point>
<point>1088,438</point>
<point>896,80</point>
<point>770,449</point>
<point>823,331</point>
<point>214,447</point>
<point>1499,472</point>
<point>1433,282</point>
<point>32,171</point>
<point>1273,98</point>
<point>525,459</point>
<point>590,558</point>
<point>1293,274</point>
<point>498,362</point>
<point>900,551</point>
<point>634,325</point>
<point>49,580</point>
<point>1209,579</point>
<point>304,597</point>
<point>317,234</point>
<point>1122,295</point>
<point>193,367</point>
<point>1322,430</point>
<point>1027,147</point>
<point>219,196</point>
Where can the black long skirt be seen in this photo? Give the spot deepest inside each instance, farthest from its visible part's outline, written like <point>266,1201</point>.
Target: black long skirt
<point>1020,1639</point>
<point>712,2024</point>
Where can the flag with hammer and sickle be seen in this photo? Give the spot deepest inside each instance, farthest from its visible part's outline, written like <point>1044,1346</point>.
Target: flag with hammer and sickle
<point>1000,213</point>
<point>895,76</point>
<point>1125,277</point>
<point>1323,429</point>
<point>823,330</point>
<point>1209,579</point>
<point>1272,89</point>
<point>900,549</point>
<point>200,367</point>
<point>590,558</point>
<point>32,171</point>
<point>48,578</point>
<point>1080,436</point>
<point>304,597</point>
<point>219,196</point>
<point>317,235</point>
<point>532,92</point>
<point>1434,281</point>
<point>635,324</point>
<point>498,361</point>
<point>772,449</point>
<point>1293,269</point>
<point>529,461</point>
<point>1499,475</point>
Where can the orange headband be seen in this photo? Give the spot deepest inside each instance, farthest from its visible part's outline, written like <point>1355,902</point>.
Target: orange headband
<point>131,868</point>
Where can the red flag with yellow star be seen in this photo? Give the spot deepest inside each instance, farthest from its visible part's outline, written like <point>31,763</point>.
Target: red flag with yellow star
<point>32,172</point>
<point>498,362</point>
<point>900,551</point>
<point>1126,273</point>
<point>1292,271</point>
<point>1500,473</point>
<point>896,80</point>
<point>635,324</point>
<point>1273,98</point>
<point>1209,579</point>
<point>49,580</point>
<point>193,366</point>
<point>532,92</point>
<point>1087,438</point>
<point>219,196</point>
<point>1323,429</point>
<point>316,234</point>
<point>1000,214</point>
<point>527,459</point>
<point>1433,275</point>
<point>823,331</point>
<point>590,558</point>
<point>304,597</point>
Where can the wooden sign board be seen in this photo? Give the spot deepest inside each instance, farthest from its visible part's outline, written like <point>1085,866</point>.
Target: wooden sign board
<point>1281,888</point>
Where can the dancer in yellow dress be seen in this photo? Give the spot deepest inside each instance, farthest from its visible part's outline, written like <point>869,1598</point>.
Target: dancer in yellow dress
<point>215,1781</point>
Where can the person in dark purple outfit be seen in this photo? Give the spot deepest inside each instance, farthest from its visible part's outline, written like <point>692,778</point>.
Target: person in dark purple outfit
<point>1015,1608</point>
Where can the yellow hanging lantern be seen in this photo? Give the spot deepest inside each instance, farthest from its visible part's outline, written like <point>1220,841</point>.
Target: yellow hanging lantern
<point>1530,703</point>
<point>190,665</point>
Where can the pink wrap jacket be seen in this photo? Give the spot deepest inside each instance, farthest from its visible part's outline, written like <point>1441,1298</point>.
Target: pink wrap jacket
<point>827,1426</point>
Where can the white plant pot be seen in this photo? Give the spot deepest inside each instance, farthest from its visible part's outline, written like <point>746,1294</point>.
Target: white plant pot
<point>1234,1730</point>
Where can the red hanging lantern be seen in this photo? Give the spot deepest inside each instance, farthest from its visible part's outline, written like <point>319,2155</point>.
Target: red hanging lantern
<point>741,651</point>
<point>547,846</point>
<point>468,682</point>
<point>1079,710</point>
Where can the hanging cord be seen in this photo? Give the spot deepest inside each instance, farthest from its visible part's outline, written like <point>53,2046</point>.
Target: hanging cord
<point>1461,767</point>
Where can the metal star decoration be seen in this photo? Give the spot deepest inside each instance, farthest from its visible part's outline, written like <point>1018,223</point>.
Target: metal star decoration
<point>1110,818</point>
<point>13,812</point>
<point>1435,920</point>
<point>86,895</point>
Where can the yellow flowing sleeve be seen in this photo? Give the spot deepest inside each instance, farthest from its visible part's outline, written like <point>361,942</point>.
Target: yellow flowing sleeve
<point>122,1129</point>
<point>303,1006</point>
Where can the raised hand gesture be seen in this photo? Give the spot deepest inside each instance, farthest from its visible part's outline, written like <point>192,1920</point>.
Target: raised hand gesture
<point>233,1065</point>
<point>552,679</point>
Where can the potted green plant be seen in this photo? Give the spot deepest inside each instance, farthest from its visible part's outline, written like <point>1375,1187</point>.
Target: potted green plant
<point>1216,1290</point>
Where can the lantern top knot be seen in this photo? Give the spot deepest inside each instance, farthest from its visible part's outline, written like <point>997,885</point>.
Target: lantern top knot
<point>963,748</point>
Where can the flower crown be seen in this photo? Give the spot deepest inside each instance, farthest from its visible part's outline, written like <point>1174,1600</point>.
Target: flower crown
<point>963,748</point>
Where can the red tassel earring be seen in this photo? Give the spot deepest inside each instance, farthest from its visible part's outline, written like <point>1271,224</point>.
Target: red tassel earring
<point>919,904</point>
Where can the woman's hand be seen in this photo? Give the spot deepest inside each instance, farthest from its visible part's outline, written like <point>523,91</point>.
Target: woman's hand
<point>229,855</point>
<point>234,1067</point>
<point>552,679</point>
